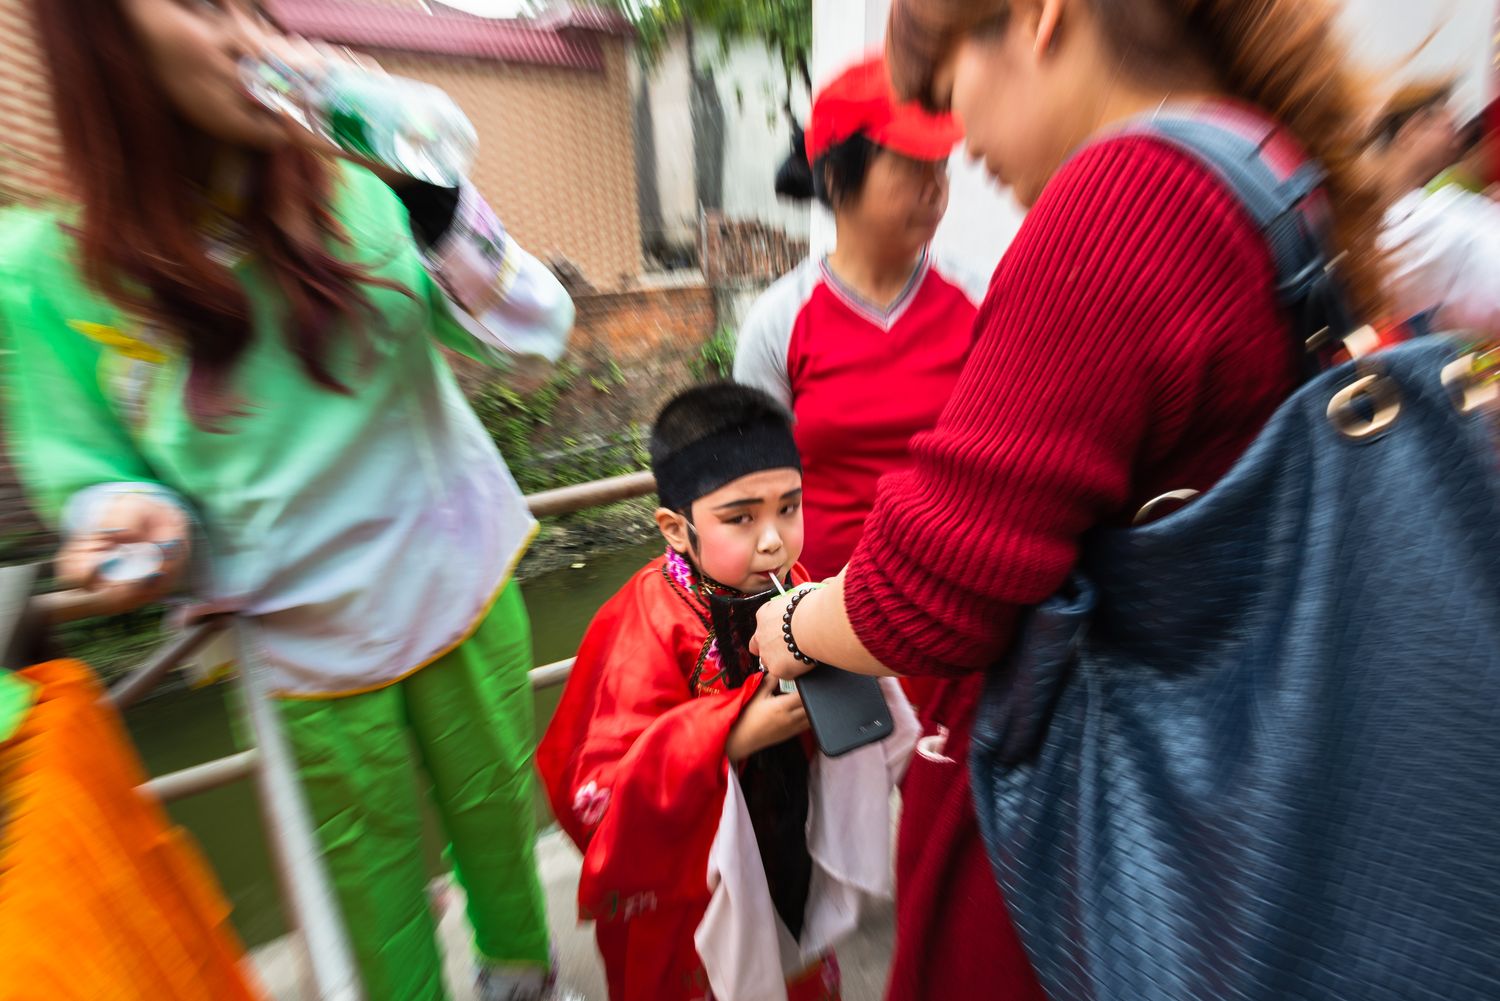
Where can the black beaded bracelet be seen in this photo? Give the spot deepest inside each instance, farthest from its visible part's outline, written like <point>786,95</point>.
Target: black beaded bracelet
<point>786,626</point>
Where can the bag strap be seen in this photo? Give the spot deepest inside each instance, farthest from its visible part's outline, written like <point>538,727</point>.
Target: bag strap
<point>1282,191</point>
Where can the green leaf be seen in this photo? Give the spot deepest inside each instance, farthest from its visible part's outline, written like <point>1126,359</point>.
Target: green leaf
<point>784,26</point>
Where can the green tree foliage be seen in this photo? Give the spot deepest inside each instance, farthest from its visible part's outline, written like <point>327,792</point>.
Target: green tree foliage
<point>784,26</point>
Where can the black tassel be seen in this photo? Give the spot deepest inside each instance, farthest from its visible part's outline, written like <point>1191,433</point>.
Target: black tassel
<point>775,780</point>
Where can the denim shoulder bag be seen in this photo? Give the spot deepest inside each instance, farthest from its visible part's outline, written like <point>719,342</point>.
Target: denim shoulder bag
<point>1252,751</point>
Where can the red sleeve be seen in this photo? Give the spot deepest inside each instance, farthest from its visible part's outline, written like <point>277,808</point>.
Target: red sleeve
<point>634,765</point>
<point>1131,292</point>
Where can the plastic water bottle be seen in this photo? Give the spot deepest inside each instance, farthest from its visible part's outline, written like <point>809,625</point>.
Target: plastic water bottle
<point>408,126</point>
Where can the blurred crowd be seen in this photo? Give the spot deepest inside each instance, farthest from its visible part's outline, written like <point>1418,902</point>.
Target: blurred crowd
<point>1147,585</point>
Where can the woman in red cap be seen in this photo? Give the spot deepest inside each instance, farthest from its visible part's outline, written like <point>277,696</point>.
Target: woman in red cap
<point>863,345</point>
<point>1130,344</point>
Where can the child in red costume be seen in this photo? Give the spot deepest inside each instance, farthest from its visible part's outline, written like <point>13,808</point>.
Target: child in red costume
<point>723,857</point>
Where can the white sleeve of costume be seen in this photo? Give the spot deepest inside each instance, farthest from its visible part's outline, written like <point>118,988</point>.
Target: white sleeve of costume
<point>850,826</point>
<point>745,948</point>
<point>765,335</point>
<point>738,938</point>
<point>1445,255</point>
<point>505,298</point>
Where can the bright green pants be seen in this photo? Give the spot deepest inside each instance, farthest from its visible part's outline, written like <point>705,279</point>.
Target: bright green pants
<point>462,727</point>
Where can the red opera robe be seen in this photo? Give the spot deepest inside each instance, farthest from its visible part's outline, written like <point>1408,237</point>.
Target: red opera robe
<point>635,769</point>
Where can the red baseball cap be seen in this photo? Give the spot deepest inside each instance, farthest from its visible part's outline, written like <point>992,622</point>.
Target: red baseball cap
<point>861,99</point>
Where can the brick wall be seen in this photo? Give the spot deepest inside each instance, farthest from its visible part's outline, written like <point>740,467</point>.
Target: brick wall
<point>650,327</point>
<point>30,166</point>
<point>634,351</point>
<point>630,352</point>
<point>746,252</point>
<point>557,154</point>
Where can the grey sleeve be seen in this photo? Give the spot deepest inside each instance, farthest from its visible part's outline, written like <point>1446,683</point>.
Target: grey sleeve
<point>975,282</point>
<point>761,348</point>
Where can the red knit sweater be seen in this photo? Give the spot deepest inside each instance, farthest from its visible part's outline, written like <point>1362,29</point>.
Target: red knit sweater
<point>1130,345</point>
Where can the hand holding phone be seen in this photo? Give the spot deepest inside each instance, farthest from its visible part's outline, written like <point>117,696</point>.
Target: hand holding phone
<point>846,710</point>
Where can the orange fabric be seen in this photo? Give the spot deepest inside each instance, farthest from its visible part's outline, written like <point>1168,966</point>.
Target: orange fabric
<point>101,899</point>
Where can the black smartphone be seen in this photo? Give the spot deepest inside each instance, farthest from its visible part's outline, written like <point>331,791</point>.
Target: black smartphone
<point>847,711</point>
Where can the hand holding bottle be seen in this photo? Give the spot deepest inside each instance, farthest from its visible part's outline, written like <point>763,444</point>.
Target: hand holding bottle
<point>136,553</point>
<point>350,106</point>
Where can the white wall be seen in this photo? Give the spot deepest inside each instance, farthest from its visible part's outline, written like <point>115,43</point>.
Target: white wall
<point>668,90</point>
<point>1385,36</point>
<point>757,136</point>
<point>1383,33</point>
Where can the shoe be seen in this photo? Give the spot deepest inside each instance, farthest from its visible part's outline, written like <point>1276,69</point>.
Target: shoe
<point>506,982</point>
<point>519,982</point>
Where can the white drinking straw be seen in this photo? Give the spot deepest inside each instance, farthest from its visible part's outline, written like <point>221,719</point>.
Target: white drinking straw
<point>787,687</point>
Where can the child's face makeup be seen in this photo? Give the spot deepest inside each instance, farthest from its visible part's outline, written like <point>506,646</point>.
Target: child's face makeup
<point>743,532</point>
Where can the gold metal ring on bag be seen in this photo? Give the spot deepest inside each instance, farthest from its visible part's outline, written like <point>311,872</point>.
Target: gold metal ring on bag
<point>1472,388</point>
<point>1149,510</point>
<point>1379,392</point>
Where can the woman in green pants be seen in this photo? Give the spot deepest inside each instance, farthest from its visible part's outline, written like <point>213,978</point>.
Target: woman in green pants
<point>227,352</point>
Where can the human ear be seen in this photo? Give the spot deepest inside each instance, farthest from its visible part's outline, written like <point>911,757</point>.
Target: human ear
<point>674,529</point>
<point>1048,17</point>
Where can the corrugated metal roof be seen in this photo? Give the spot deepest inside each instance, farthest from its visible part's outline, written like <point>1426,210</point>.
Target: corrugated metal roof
<point>564,39</point>
<point>586,18</point>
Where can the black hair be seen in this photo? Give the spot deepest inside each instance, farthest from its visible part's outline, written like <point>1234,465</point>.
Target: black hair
<point>840,173</point>
<point>1472,134</point>
<point>794,177</point>
<point>715,433</point>
<point>705,410</point>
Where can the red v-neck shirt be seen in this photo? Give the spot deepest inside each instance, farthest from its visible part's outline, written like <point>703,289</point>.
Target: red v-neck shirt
<point>860,380</point>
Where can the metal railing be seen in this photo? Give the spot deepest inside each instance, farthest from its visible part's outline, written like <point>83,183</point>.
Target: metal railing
<point>306,890</point>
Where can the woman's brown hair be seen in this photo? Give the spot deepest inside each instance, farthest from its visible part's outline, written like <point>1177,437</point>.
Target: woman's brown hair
<point>139,234</point>
<point>1284,56</point>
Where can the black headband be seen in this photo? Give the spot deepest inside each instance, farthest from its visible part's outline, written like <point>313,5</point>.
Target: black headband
<point>707,464</point>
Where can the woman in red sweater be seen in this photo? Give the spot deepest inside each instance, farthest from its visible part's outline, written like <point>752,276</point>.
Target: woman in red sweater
<point>1130,345</point>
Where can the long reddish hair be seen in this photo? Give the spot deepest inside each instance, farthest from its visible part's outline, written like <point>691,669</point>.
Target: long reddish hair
<point>128,155</point>
<point>1285,56</point>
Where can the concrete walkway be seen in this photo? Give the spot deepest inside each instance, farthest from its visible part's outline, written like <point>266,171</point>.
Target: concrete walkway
<point>864,958</point>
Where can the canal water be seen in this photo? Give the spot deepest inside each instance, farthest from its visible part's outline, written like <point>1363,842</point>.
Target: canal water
<point>189,727</point>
